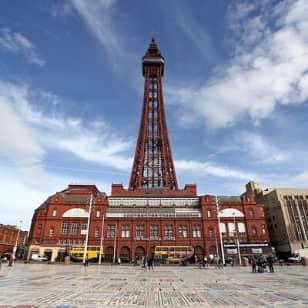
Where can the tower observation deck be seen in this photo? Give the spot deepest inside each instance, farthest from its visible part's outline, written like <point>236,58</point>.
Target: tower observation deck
<point>153,166</point>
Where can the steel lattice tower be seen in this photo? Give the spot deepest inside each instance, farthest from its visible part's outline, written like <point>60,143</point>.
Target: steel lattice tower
<point>153,165</point>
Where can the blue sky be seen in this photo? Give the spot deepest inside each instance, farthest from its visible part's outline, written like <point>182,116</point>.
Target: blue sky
<point>235,88</point>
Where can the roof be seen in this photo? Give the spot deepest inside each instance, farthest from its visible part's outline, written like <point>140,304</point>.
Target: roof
<point>75,198</point>
<point>229,198</point>
<point>45,204</point>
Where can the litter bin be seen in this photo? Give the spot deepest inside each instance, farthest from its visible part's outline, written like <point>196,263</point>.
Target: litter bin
<point>245,261</point>
<point>67,260</point>
<point>304,260</point>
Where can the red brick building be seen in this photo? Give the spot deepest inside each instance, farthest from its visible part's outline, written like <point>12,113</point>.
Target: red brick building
<point>8,236</point>
<point>153,210</point>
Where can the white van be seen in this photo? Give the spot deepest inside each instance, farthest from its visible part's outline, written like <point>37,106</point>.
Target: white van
<point>37,257</point>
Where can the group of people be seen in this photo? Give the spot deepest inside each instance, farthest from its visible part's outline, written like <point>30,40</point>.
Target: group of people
<point>259,265</point>
<point>147,263</point>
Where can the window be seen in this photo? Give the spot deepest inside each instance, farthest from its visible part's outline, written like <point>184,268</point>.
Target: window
<point>65,227</point>
<point>96,233</point>
<point>51,232</point>
<point>254,230</point>
<point>263,230</point>
<point>209,213</point>
<point>168,231</point>
<point>241,229</point>
<point>54,212</point>
<point>154,231</point>
<point>223,229</point>
<point>183,231</point>
<point>251,213</point>
<point>140,231</point>
<point>111,231</point>
<point>125,231</point>
<point>84,227</point>
<point>211,232</point>
<point>98,213</point>
<point>196,231</point>
<point>75,226</point>
<point>231,229</point>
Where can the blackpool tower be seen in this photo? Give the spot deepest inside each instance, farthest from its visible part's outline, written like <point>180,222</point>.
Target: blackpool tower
<point>153,166</point>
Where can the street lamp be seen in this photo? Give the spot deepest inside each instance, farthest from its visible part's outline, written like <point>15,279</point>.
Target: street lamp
<point>16,243</point>
<point>115,243</point>
<point>237,241</point>
<point>220,236</point>
<point>88,229</point>
<point>102,239</point>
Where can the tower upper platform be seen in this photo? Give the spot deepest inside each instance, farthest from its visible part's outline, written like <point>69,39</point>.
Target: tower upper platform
<point>153,56</point>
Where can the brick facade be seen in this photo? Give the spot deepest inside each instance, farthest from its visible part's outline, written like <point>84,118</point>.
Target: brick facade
<point>197,227</point>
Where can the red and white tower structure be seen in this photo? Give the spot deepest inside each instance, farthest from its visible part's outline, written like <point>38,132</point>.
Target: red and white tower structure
<point>153,165</point>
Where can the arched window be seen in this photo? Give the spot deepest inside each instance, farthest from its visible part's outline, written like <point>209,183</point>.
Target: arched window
<point>263,231</point>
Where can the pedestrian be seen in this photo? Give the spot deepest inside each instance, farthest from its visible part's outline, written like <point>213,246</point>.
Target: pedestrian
<point>253,264</point>
<point>119,260</point>
<point>86,262</point>
<point>150,263</point>
<point>145,263</point>
<point>270,262</point>
<point>205,261</point>
<point>11,260</point>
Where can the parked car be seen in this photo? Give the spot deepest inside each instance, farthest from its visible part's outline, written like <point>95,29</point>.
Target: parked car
<point>295,258</point>
<point>37,257</point>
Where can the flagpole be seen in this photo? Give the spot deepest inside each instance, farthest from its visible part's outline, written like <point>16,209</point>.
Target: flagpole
<point>102,238</point>
<point>220,236</point>
<point>87,234</point>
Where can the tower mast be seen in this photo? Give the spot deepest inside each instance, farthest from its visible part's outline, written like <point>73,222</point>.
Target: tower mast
<point>153,165</point>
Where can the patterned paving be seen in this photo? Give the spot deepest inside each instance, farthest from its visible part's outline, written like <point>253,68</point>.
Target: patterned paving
<point>68,286</point>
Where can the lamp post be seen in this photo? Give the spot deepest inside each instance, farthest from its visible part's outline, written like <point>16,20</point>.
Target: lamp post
<point>16,243</point>
<point>87,234</point>
<point>237,241</point>
<point>220,236</point>
<point>102,239</point>
<point>115,243</point>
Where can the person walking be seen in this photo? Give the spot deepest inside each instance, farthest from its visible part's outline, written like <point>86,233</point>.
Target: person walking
<point>205,262</point>
<point>270,262</point>
<point>86,262</point>
<point>150,263</point>
<point>11,260</point>
<point>253,265</point>
<point>119,260</point>
<point>145,263</point>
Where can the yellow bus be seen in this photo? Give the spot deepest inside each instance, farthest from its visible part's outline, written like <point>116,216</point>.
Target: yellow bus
<point>173,254</point>
<point>76,253</point>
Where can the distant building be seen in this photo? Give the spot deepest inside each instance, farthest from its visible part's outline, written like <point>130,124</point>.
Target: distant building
<point>286,213</point>
<point>152,211</point>
<point>8,236</point>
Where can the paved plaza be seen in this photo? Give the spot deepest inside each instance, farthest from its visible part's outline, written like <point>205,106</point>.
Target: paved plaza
<point>67,286</point>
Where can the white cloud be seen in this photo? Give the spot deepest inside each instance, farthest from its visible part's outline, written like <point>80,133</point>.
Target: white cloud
<point>18,43</point>
<point>258,148</point>
<point>269,67</point>
<point>31,130</point>
<point>208,168</point>
<point>97,15</point>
